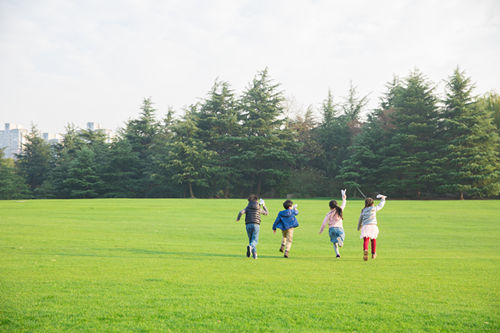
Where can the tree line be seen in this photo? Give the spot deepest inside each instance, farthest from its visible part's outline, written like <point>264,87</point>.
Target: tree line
<point>413,145</point>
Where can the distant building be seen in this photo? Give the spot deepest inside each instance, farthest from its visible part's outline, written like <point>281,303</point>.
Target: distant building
<point>51,138</point>
<point>91,126</point>
<point>12,138</point>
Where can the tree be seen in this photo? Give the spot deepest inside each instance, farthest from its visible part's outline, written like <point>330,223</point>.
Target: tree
<point>354,105</point>
<point>82,180</point>
<point>12,186</point>
<point>187,154</point>
<point>218,127</point>
<point>33,161</point>
<point>471,158</point>
<point>491,102</point>
<point>410,155</point>
<point>141,133</point>
<point>336,133</point>
<point>265,156</point>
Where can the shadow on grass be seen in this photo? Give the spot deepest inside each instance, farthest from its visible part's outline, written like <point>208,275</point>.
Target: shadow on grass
<point>147,253</point>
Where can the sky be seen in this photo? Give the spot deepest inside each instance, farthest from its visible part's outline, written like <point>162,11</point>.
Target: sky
<point>64,61</point>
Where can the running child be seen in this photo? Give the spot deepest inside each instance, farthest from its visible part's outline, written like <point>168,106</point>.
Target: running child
<point>252,222</point>
<point>368,225</point>
<point>335,224</point>
<point>287,222</point>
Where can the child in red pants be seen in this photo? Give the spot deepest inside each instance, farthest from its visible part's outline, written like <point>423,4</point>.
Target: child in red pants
<point>368,225</point>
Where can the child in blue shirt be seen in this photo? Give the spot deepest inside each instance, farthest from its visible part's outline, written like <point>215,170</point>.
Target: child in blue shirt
<point>287,222</point>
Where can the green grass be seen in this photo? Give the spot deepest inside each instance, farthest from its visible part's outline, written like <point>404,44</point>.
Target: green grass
<point>179,265</point>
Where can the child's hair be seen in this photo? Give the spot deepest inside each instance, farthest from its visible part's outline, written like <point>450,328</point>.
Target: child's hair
<point>333,204</point>
<point>253,197</point>
<point>287,204</point>
<point>368,202</point>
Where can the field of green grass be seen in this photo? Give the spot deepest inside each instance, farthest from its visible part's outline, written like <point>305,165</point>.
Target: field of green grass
<point>179,265</point>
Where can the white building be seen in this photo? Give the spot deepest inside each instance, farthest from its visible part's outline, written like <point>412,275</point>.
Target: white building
<point>51,138</point>
<point>91,126</point>
<point>12,138</point>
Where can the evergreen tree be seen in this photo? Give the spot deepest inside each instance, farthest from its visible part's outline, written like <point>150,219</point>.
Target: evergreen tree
<point>362,169</point>
<point>471,162</point>
<point>336,133</point>
<point>217,121</point>
<point>122,175</point>
<point>491,102</point>
<point>265,156</point>
<point>12,186</point>
<point>64,153</point>
<point>187,154</point>
<point>305,180</point>
<point>82,180</point>
<point>354,105</point>
<point>410,155</point>
<point>141,133</point>
<point>33,161</point>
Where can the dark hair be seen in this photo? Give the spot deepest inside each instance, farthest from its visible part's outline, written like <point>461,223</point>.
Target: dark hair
<point>253,197</point>
<point>333,204</point>
<point>287,204</point>
<point>368,202</point>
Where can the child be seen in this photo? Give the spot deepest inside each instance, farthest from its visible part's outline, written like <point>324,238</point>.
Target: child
<point>252,222</point>
<point>334,220</point>
<point>368,225</point>
<point>286,221</point>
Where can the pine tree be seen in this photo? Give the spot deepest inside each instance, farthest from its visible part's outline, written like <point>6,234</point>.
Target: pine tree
<point>217,121</point>
<point>471,160</point>
<point>33,161</point>
<point>82,180</point>
<point>141,133</point>
<point>264,157</point>
<point>411,156</point>
<point>12,186</point>
<point>187,154</point>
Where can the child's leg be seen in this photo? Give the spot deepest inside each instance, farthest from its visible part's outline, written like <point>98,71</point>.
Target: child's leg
<point>289,239</point>
<point>283,239</point>
<point>255,237</point>
<point>374,245</point>
<point>365,248</point>
<point>365,243</point>
<point>336,248</point>
<point>249,228</point>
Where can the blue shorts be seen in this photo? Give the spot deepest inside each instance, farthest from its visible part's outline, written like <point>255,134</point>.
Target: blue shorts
<point>335,234</point>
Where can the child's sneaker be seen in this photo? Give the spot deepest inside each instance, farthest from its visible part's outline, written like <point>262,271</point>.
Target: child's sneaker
<point>254,253</point>
<point>249,250</point>
<point>338,256</point>
<point>286,254</point>
<point>282,247</point>
<point>365,255</point>
<point>374,255</point>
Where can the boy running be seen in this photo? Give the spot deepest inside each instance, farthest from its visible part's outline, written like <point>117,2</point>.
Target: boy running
<point>252,222</point>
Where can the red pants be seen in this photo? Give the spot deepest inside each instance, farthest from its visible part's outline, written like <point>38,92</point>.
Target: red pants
<point>365,244</point>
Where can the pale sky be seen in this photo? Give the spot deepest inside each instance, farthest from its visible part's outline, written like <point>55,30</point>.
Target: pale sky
<point>64,61</point>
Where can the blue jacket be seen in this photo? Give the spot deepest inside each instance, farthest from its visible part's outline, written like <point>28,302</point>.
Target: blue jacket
<point>286,219</point>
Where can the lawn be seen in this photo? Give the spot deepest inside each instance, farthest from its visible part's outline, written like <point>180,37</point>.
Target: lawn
<point>180,265</point>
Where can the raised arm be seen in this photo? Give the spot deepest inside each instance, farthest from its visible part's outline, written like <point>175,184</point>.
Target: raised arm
<point>381,204</point>
<point>344,201</point>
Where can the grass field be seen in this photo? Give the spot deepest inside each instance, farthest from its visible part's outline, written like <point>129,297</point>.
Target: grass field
<point>180,265</point>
